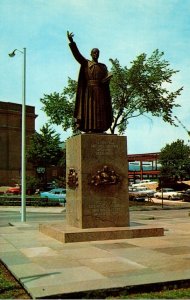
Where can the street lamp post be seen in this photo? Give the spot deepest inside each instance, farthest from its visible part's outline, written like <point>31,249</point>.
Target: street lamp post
<point>23,142</point>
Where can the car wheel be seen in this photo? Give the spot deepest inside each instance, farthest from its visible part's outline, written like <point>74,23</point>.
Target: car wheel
<point>169,198</point>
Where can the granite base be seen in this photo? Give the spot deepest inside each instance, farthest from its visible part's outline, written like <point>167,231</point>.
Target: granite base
<point>97,181</point>
<point>67,234</point>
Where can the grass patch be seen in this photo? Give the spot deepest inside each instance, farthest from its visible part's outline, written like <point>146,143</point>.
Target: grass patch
<point>182,293</point>
<point>9,286</point>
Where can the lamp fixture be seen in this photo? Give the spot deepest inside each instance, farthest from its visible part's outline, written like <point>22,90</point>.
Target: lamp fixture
<point>12,54</point>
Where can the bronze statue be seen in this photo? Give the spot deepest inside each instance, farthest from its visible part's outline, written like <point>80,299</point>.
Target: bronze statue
<point>93,109</point>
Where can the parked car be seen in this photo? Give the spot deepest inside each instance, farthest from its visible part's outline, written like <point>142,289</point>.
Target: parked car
<point>186,195</point>
<point>140,193</point>
<point>143,183</point>
<point>15,190</point>
<point>168,193</point>
<point>55,194</point>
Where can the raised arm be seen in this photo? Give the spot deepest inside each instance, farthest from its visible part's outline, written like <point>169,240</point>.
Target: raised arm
<point>70,36</point>
<point>76,53</point>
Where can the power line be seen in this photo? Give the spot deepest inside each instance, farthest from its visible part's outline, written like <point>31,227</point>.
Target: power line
<point>182,125</point>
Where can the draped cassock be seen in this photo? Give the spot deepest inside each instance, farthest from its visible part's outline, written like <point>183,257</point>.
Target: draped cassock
<point>93,109</point>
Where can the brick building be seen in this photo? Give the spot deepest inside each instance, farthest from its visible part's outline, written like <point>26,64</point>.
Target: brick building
<point>10,140</point>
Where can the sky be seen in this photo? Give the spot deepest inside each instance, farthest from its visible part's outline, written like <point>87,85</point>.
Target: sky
<point>121,29</point>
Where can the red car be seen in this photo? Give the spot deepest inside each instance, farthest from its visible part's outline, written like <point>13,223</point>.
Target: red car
<point>15,190</point>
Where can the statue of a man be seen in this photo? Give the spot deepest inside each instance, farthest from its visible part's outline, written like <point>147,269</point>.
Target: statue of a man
<point>93,109</point>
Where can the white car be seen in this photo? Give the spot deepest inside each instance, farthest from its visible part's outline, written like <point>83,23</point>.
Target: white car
<point>167,193</point>
<point>143,182</point>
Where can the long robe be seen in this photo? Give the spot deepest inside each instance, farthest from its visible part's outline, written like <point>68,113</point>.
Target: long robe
<point>93,109</point>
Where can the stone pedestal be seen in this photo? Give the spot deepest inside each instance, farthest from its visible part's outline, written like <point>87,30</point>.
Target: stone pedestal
<point>97,192</point>
<point>97,184</point>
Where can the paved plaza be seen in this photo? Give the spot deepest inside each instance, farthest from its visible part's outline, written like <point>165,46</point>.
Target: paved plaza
<point>48,268</point>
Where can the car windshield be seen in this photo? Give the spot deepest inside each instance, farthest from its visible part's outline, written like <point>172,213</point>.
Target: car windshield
<point>143,188</point>
<point>168,190</point>
<point>58,191</point>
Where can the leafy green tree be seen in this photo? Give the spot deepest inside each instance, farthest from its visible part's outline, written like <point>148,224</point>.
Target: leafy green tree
<point>59,107</point>
<point>32,183</point>
<point>140,89</point>
<point>175,160</point>
<point>135,91</point>
<point>45,149</point>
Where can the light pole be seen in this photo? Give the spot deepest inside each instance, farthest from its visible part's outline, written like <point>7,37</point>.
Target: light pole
<point>23,143</point>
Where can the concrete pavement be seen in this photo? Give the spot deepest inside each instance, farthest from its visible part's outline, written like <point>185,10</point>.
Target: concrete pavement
<point>48,268</point>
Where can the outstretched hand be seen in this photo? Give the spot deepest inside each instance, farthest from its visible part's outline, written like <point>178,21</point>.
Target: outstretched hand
<point>70,36</point>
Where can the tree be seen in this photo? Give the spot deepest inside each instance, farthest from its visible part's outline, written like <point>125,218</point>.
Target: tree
<point>32,183</point>
<point>135,91</point>
<point>45,149</point>
<point>59,107</point>
<point>175,160</point>
<point>140,90</point>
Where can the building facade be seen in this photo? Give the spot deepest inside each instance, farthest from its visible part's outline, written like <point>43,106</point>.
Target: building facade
<point>143,166</point>
<point>10,140</point>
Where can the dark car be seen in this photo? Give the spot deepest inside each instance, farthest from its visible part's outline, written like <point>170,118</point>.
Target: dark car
<point>140,193</point>
<point>186,195</point>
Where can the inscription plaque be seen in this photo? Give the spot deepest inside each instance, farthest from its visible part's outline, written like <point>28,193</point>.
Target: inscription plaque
<point>102,148</point>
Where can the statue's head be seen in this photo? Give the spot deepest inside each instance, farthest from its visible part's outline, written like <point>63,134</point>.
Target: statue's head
<point>95,54</point>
